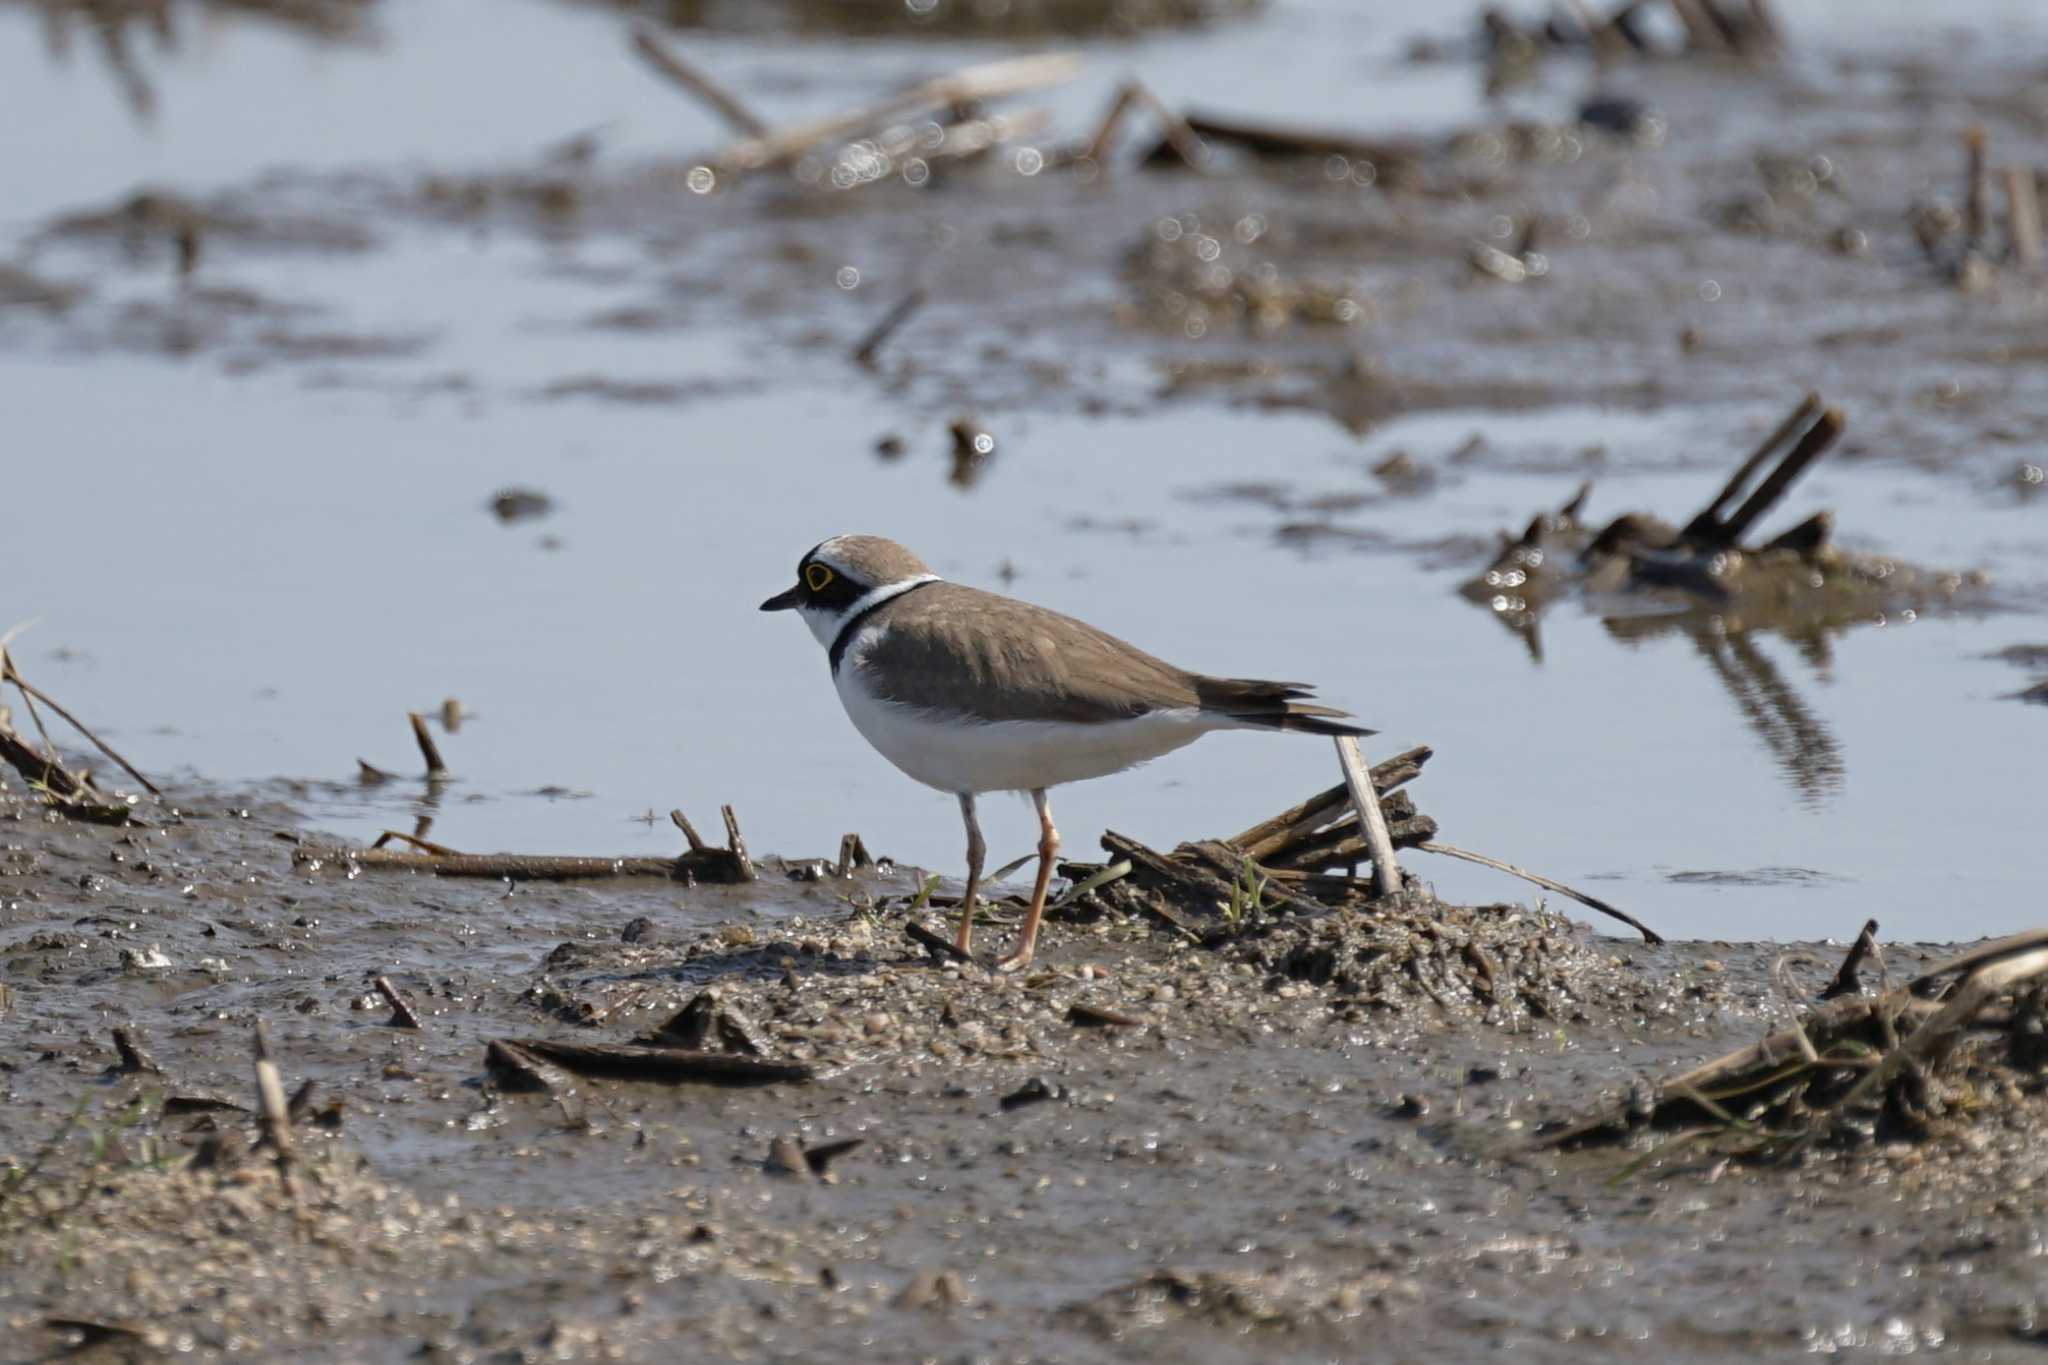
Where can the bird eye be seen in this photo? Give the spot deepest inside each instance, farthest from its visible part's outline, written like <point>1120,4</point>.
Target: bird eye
<point>818,577</point>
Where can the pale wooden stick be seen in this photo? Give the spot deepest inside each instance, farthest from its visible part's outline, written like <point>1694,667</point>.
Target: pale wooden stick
<point>2023,214</point>
<point>969,85</point>
<point>1386,873</point>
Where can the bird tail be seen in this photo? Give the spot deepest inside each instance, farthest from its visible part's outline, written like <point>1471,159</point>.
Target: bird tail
<point>1272,706</point>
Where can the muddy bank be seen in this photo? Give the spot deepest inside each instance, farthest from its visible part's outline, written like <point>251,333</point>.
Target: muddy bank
<point>1142,1145</point>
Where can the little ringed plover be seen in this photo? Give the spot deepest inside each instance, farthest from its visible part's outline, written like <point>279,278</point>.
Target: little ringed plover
<point>970,692</point>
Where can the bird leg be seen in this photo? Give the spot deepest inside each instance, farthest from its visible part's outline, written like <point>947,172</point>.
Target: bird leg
<point>1048,846</point>
<point>976,851</point>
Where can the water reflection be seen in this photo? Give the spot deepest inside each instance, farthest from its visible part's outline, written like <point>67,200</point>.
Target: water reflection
<point>1801,743</point>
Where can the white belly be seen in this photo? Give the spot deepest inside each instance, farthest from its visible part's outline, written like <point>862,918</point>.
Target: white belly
<point>957,755</point>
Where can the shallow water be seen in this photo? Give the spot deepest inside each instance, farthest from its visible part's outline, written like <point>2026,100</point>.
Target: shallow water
<point>264,537</point>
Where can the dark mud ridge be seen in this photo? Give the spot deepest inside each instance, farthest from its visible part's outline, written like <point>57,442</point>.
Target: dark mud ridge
<point>1320,1132</point>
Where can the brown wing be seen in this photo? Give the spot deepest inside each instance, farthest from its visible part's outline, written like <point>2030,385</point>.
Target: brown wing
<point>1025,662</point>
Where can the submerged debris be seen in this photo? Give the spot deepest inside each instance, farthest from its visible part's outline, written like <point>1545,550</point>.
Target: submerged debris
<point>1798,582</point>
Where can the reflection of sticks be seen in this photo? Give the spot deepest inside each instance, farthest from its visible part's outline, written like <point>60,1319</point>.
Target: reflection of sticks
<point>722,102</point>
<point>1706,524</point>
<point>1798,739</point>
<point>1649,935</point>
<point>1822,434</point>
<point>864,353</point>
<point>428,750</point>
<point>969,85</point>
<point>1386,873</point>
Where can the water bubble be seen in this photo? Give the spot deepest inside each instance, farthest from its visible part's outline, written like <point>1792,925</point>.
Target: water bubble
<point>848,277</point>
<point>701,180</point>
<point>1249,228</point>
<point>916,172</point>
<point>1336,167</point>
<point>1169,229</point>
<point>1030,161</point>
<point>1710,290</point>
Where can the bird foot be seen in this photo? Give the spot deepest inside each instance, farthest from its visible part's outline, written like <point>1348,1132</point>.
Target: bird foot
<point>1016,961</point>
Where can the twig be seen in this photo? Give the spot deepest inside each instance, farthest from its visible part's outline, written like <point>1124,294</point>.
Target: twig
<point>2023,214</point>
<point>938,943</point>
<point>864,352</point>
<point>1186,143</point>
<point>1593,902</point>
<point>419,842</point>
<point>428,750</point>
<point>1976,211</point>
<point>402,1015</point>
<point>1846,981</point>
<point>277,1126</point>
<point>1386,873</point>
<point>29,690</point>
<point>635,1062</point>
<point>722,102</point>
<point>713,865</point>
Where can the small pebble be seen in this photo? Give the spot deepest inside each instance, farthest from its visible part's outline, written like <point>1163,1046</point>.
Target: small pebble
<point>878,1021</point>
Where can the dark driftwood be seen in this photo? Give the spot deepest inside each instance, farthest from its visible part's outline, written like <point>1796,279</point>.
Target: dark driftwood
<point>514,1068</point>
<point>429,751</point>
<point>402,1015</point>
<point>631,1061</point>
<point>1810,447</point>
<point>1282,141</point>
<point>936,942</point>
<point>546,868</point>
<point>1706,524</point>
<point>1846,981</point>
<point>701,862</point>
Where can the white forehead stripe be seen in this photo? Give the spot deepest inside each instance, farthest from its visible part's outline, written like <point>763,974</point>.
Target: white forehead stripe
<point>827,554</point>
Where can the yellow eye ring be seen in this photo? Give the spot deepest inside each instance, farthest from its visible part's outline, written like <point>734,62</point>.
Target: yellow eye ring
<point>818,577</point>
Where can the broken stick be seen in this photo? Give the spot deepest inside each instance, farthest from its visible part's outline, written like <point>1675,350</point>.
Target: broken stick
<point>1386,873</point>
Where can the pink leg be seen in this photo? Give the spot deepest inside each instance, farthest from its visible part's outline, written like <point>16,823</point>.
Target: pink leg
<point>1048,846</point>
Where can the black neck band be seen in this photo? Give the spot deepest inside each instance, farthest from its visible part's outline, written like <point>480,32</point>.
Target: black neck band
<point>844,638</point>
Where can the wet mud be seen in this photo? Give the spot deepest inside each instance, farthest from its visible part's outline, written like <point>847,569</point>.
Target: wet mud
<point>1079,1164</point>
